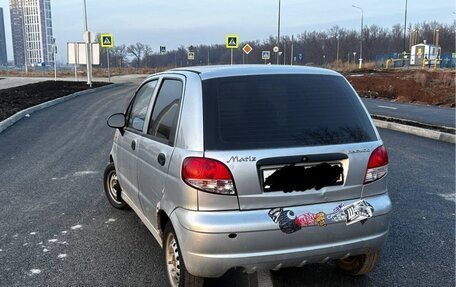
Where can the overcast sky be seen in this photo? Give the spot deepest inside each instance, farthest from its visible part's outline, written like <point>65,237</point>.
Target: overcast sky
<point>184,22</point>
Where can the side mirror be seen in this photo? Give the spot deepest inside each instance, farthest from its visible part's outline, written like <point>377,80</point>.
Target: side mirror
<point>117,121</point>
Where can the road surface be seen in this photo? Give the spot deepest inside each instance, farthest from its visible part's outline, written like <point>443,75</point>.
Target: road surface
<point>432,115</point>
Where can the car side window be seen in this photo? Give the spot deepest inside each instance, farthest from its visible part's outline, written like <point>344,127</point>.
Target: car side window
<point>165,113</point>
<point>138,109</point>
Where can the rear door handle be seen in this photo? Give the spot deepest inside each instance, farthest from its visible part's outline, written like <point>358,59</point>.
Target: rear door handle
<point>161,159</point>
<point>133,144</point>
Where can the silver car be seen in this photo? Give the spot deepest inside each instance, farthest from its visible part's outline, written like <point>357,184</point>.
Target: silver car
<point>252,167</point>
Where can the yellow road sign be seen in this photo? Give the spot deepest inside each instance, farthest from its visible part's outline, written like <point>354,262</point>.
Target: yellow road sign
<point>232,41</point>
<point>107,40</point>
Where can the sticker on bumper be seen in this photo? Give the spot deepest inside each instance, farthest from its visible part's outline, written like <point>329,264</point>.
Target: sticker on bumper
<point>358,211</point>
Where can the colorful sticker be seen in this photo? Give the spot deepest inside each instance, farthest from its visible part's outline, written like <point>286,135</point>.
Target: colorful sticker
<point>358,211</point>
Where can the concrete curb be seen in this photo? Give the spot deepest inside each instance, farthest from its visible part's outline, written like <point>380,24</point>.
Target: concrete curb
<point>19,115</point>
<point>422,132</point>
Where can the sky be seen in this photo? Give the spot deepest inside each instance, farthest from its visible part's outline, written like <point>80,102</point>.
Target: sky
<point>173,23</point>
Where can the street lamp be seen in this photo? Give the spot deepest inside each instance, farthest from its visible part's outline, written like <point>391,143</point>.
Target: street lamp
<point>354,58</point>
<point>88,47</point>
<point>337,54</point>
<point>361,37</point>
<point>278,34</point>
<point>405,24</point>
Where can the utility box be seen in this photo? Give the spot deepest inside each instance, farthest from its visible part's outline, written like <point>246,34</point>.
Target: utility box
<point>423,51</point>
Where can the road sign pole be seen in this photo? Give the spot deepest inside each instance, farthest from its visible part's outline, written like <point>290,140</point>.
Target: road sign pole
<point>109,74</point>
<point>243,58</point>
<point>292,50</point>
<point>90,60</point>
<point>55,69</point>
<point>54,50</point>
<point>231,56</point>
<point>76,54</point>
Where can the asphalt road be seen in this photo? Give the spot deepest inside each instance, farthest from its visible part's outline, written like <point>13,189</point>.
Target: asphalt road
<point>432,115</point>
<point>57,228</point>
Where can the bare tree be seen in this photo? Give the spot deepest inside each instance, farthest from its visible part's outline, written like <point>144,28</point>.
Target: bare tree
<point>119,53</point>
<point>136,51</point>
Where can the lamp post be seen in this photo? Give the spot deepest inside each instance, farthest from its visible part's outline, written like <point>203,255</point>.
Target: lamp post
<point>24,33</point>
<point>278,34</point>
<point>337,54</point>
<point>88,47</point>
<point>405,24</point>
<point>354,58</point>
<point>361,37</point>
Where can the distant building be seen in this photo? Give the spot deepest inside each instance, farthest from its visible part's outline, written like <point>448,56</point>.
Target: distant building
<point>31,26</point>
<point>3,56</point>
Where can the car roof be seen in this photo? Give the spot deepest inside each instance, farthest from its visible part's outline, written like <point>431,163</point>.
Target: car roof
<point>209,72</point>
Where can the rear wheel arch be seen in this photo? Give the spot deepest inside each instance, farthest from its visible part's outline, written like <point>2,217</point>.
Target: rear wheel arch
<point>162,220</point>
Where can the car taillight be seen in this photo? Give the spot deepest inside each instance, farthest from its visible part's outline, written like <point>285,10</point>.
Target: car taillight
<point>208,175</point>
<point>378,165</point>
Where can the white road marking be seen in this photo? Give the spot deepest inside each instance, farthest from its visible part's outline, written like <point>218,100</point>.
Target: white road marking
<point>76,227</point>
<point>35,271</point>
<point>387,107</point>
<point>85,172</point>
<point>32,233</point>
<point>52,240</point>
<point>61,256</point>
<point>264,278</point>
<point>448,196</point>
<point>110,220</point>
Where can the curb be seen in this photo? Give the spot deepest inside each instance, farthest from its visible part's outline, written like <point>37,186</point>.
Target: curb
<point>422,132</point>
<point>6,123</point>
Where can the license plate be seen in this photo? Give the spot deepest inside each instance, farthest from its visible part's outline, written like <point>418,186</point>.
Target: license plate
<point>269,173</point>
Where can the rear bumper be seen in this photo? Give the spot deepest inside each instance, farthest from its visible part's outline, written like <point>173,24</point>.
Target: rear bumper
<point>209,250</point>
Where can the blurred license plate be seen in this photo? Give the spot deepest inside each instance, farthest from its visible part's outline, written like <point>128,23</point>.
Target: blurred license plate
<point>268,172</point>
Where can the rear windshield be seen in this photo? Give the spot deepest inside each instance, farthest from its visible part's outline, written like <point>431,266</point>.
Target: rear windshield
<point>275,111</point>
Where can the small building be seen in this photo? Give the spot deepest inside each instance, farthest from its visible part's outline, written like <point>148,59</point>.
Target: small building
<point>423,51</point>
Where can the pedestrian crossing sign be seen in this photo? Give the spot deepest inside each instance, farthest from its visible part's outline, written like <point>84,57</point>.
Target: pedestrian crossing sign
<point>232,42</point>
<point>107,41</point>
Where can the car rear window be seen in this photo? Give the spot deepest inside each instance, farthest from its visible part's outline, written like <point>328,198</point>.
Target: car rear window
<point>276,111</point>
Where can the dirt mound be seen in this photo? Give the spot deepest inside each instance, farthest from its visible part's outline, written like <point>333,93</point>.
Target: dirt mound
<point>18,98</point>
<point>426,87</point>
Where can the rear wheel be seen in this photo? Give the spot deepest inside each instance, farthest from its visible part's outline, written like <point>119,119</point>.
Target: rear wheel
<point>178,275</point>
<point>112,187</point>
<point>360,264</point>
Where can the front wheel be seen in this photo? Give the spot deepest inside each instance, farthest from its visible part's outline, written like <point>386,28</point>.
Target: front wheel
<point>360,264</point>
<point>178,275</point>
<point>112,187</point>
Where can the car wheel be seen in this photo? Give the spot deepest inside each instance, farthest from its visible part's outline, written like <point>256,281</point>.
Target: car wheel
<point>177,274</point>
<point>360,264</point>
<point>112,187</point>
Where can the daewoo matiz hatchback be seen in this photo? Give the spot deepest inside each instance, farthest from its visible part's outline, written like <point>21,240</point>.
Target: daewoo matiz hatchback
<point>252,167</point>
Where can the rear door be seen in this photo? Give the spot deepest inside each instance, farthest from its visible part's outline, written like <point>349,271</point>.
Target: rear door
<point>257,125</point>
<point>129,143</point>
<point>158,144</point>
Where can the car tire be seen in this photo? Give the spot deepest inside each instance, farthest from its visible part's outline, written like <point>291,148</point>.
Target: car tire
<point>112,187</point>
<point>360,264</point>
<point>177,274</point>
